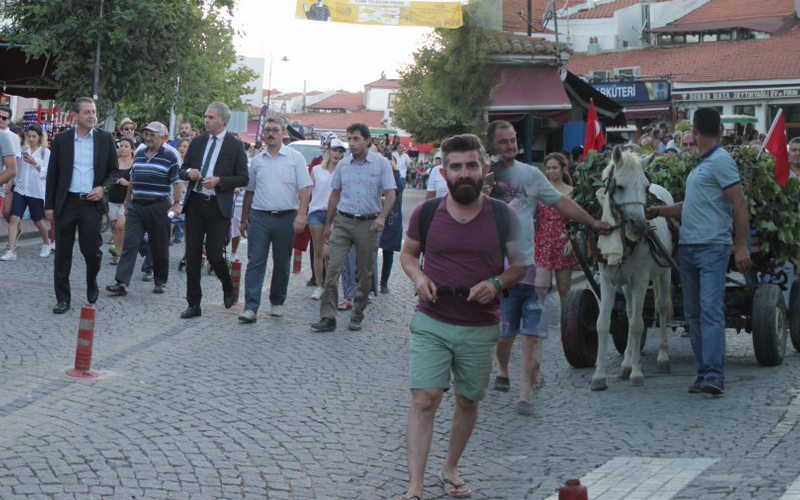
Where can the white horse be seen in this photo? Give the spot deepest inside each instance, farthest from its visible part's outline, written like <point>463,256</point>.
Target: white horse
<point>626,189</point>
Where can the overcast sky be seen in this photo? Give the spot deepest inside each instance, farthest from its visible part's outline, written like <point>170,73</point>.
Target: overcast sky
<point>328,55</point>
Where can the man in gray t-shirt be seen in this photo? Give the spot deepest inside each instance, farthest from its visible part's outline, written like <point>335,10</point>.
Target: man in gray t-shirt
<point>714,206</point>
<point>9,155</point>
<point>523,186</point>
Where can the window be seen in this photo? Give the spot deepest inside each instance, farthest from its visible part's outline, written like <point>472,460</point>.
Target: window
<point>791,115</point>
<point>744,110</point>
<point>664,39</point>
<point>392,98</point>
<point>724,35</point>
<point>709,37</point>
<point>599,76</point>
<point>678,39</point>
<point>692,38</point>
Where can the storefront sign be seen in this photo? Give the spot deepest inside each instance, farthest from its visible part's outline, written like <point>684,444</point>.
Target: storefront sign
<point>739,95</point>
<point>629,92</point>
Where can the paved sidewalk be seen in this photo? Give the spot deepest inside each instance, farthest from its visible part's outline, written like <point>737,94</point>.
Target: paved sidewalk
<point>210,408</point>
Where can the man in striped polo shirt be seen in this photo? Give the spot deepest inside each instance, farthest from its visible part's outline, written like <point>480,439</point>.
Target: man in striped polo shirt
<point>154,172</point>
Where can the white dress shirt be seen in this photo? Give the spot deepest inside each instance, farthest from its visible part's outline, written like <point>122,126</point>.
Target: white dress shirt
<point>30,180</point>
<point>214,156</point>
<point>83,164</point>
<point>276,181</point>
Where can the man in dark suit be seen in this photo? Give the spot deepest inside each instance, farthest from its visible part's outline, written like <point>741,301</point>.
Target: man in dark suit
<point>215,164</point>
<point>83,166</point>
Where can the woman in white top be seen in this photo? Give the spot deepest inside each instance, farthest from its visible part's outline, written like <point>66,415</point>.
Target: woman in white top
<point>29,191</point>
<point>318,208</point>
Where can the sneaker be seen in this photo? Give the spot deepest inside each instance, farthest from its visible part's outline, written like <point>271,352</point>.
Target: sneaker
<point>696,387</point>
<point>276,311</point>
<point>311,282</point>
<point>355,325</point>
<point>53,245</point>
<point>45,251</point>
<point>317,293</point>
<point>713,386</point>
<point>345,305</point>
<point>248,316</point>
<point>524,408</point>
<point>9,255</point>
<point>384,288</point>
<point>147,276</point>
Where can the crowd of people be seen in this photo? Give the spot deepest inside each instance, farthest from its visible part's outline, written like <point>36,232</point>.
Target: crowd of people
<point>482,250</point>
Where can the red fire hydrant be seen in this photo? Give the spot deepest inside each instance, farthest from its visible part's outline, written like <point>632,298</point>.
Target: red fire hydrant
<point>573,490</point>
<point>236,277</point>
<point>83,351</point>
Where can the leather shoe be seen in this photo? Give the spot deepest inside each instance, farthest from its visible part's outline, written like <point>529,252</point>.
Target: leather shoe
<point>92,294</point>
<point>325,325</point>
<point>191,312</point>
<point>158,289</point>
<point>228,298</point>
<point>61,308</point>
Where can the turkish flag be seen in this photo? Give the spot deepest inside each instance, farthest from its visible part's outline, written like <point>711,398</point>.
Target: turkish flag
<point>777,145</point>
<point>594,138</point>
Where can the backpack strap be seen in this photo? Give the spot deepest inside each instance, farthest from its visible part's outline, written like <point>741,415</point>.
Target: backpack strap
<point>428,210</point>
<point>501,219</point>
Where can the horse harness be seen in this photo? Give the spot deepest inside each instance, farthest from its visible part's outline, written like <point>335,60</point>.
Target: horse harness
<point>657,250</point>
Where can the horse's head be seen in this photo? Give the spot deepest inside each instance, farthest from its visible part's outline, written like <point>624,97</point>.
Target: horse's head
<point>627,184</point>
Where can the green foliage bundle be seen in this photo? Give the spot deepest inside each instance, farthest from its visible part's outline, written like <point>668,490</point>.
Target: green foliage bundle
<point>145,45</point>
<point>773,209</point>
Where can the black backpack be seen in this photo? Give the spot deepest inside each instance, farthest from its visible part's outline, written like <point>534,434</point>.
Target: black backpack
<point>501,219</point>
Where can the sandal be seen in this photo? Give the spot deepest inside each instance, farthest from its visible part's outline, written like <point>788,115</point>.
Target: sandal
<point>344,306</point>
<point>117,290</point>
<point>114,261</point>
<point>412,497</point>
<point>454,492</point>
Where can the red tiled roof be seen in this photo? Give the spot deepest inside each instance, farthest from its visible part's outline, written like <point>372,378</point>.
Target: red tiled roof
<point>314,92</point>
<point>513,22</point>
<point>719,10</point>
<point>338,121</point>
<point>290,95</point>
<point>385,83</point>
<point>771,58</point>
<point>351,101</point>
<point>606,9</point>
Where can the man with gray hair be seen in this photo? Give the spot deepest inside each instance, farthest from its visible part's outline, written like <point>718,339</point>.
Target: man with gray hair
<point>153,174</point>
<point>794,158</point>
<point>215,165</point>
<point>275,207</point>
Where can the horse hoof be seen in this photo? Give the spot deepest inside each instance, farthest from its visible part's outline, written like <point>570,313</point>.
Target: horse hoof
<point>637,381</point>
<point>599,385</point>
<point>663,367</point>
<point>625,374</point>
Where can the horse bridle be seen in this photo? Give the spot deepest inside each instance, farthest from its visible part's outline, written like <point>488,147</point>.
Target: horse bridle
<point>611,187</point>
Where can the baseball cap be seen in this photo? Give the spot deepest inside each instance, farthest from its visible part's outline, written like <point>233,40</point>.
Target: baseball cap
<point>337,143</point>
<point>157,127</point>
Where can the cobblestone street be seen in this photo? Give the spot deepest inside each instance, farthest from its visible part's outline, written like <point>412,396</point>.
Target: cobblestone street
<point>211,408</point>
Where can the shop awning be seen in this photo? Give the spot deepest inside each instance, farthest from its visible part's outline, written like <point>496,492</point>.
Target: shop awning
<point>609,111</point>
<point>20,77</point>
<point>533,90</point>
<point>644,111</point>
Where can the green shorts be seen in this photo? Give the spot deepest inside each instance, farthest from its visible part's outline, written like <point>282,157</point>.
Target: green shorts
<point>437,348</point>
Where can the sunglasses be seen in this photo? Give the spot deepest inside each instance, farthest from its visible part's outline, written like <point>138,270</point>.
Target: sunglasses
<point>4,118</point>
<point>461,291</point>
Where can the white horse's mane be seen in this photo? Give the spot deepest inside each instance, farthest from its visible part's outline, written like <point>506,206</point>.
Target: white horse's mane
<point>630,161</point>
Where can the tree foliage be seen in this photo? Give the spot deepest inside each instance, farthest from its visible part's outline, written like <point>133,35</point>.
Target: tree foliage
<point>445,87</point>
<point>145,45</point>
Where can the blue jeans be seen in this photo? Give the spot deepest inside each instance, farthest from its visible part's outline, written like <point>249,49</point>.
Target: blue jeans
<point>266,230</point>
<point>703,270</point>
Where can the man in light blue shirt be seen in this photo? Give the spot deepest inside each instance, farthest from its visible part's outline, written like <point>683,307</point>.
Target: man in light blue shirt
<point>275,207</point>
<point>363,192</point>
<point>714,210</point>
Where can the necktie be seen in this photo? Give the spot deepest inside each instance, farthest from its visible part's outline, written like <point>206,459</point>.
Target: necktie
<point>199,186</point>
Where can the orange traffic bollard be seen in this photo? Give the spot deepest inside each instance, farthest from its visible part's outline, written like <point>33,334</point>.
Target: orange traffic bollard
<point>298,261</point>
<point>83,351</point>
<point>236,276</point>
<point>573,490</point>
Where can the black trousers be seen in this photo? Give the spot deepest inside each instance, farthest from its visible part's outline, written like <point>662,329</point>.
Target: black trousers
<point>151,219</point>
<point>86,217</point>
<point>205,222</point>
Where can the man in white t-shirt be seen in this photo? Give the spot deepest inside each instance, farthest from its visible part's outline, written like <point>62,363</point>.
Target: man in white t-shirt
<point>5,121</point>
<point>437,184</point>
<point>402,160</point>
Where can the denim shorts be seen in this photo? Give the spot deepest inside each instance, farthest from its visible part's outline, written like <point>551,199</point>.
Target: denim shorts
<point>437,349</point>
<point>35,206</point>
<point>522,313</point>
<point>317,218</point>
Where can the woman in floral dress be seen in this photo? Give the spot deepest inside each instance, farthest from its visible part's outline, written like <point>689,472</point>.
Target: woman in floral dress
<point>552,247</point>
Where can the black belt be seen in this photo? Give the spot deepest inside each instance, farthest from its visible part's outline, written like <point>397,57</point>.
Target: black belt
<point>80,196</point>
<point>278,213</point>
<point>204,197</point>
<point>150,201</point>
<point>359,216</point>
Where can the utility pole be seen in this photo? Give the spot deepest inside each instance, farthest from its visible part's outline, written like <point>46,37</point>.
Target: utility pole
<point>530,19</point>
<point>96,79</point>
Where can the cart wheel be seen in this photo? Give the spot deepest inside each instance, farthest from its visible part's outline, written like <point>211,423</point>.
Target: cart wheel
<point>794,314</point>
<point>619,330</point>
<point>579,328</point>
<point>769,325</point>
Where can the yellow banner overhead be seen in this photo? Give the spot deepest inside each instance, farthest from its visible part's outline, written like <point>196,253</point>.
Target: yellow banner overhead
<point>382,12</point>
